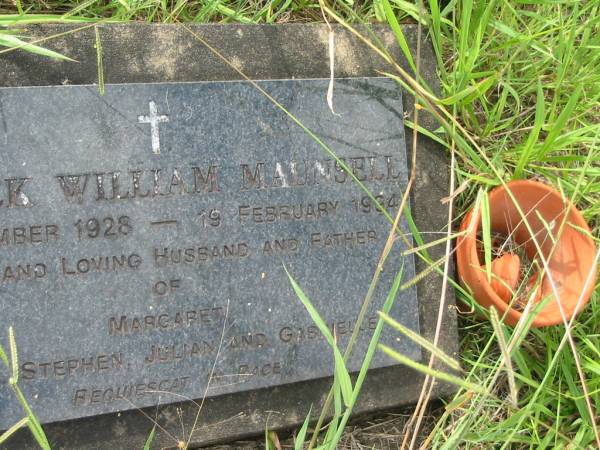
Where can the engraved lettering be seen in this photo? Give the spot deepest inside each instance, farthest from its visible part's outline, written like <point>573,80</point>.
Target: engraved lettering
<point>247,341</point>
<point>32,234</point>
<point>263,370</point>
<point>322,171</point>
<point>254,180</point>
<point>116,187</point>
<point>358,166</point>
<point>374,174</point>
<point>100,264</point>
<point>279,179</point>
<point>135,183</point>
<point>275,213</point>
<point>177,183</point>
<point>206,182</point>
<point>294,334</point>
<point>16,197</point>
<point>198,255</point>
<point>126,325</point>
<point>73,186</point>
<point>296,180</point>
<point>342,239</point>
<point>392,173</point>
<point>160,354</point>
<point>21,272</point>
<point>280,246</point>
<point>100,193</point>
<point>340,174</point>
<point>112,186</point>
<point>128,393</point>
<point>73,367</point>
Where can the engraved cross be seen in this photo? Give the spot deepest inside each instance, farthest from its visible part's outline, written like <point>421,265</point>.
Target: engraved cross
<point>154,119</point>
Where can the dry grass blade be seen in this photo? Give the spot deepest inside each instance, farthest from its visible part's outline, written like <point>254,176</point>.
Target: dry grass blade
<point>99,61</point>
<point>210,376</point>
<point>429,270</point>
<point>507,361</point>
<point>331,48</point>
<point>434,243</point>
<point>14,357</point>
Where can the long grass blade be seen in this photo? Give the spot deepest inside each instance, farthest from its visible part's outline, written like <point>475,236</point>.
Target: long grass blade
<point>341,371</point>
<point>440,375</point>
<point>150,439</point>
<point>486,233</point>
<point>301,436</point>
<point>387,306</point>
<point>8,40</point>
<point>540,115</point>
<point>395,26</point>
<point>420,340</point>
<point>12,430</point>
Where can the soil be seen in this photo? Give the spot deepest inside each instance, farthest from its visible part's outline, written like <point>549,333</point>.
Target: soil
<point>382,431</point>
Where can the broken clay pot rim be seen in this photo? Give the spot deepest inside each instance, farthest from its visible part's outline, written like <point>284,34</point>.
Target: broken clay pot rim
<point>469,264</point>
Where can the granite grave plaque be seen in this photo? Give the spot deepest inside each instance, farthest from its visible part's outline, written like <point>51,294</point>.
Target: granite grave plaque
<point>144,232</point>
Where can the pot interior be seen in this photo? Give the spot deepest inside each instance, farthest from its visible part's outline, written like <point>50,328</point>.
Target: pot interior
<point>560,232</point>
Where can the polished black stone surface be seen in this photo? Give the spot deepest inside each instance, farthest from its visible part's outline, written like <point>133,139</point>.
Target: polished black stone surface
<point>145,234</point>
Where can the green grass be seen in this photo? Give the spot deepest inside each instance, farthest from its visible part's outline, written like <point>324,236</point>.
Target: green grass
<point>29,419</point>
<point>520,99</point>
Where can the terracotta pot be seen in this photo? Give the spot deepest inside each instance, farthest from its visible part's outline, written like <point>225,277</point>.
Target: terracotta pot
<point>569,262</point>
<point>505,271</point>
